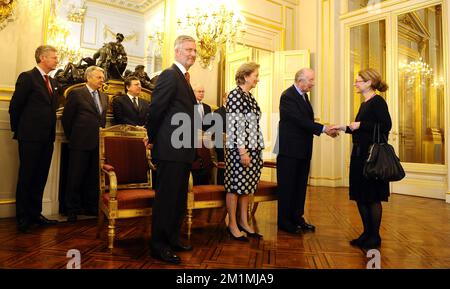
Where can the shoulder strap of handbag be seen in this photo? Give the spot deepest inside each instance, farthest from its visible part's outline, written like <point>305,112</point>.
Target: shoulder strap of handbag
<point>378,137</point>
<point>376,133</point>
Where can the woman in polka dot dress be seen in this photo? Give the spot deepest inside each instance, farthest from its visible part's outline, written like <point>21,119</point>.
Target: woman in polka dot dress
<point>243,152</point>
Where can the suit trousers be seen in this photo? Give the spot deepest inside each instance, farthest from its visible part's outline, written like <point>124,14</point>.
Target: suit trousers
<point>82,181</point>
<point>35,159</point>
<point>292,176</point>
<point>169,206</point>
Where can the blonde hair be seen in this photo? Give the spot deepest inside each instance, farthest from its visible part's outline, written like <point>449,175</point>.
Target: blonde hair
<point>375,77</point>
<point>245,70</point>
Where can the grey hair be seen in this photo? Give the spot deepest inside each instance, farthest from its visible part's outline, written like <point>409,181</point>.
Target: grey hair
<point>300,75</point>
<point>91,69</point>
<point>181,39</point>
<point>41,50</point>
<point>245,70</point>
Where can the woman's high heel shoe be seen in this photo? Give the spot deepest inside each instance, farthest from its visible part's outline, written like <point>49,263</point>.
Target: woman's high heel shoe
<point>253,235</point>
<point>358,241</point>
<point>241,238</point>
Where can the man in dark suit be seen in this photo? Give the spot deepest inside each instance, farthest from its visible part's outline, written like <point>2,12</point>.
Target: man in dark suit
<point>201,109</point>
<point>296,130</point>
<point>129,108</point>
<point>84,114</point>
<point>33,121</point>
<point>172,100</point>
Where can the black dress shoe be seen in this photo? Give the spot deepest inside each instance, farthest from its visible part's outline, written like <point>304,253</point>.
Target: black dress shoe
<point>241,238</point>
<point>71,217</point>
<point>181,247</point>
<point>358,241</point>
<point>41,220</point>
<point>93,213</point>
<point>166,256</point>
<point>307,227</point>
<point>253,235</point>
<point>290,229</point>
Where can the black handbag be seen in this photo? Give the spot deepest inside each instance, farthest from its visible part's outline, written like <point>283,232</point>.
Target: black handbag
<point>382,163</point>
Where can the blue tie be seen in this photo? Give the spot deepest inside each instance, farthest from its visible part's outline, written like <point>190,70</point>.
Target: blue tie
<point>97,101</point>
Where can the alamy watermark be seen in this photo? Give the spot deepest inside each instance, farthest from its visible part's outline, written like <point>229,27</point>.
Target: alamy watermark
<point>374,256</point>
<point>75,259</point>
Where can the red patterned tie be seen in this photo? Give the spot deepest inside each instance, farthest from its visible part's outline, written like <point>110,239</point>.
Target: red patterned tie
<point>188,77</point>
<point>47,83</point>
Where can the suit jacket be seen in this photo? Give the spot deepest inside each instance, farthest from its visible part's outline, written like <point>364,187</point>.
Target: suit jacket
<point>206,110</point>
<point>33,109</point>
<point>223,114</point>
<point>172,95</point>
<point>296,126</point>
<point>125,113</point>
<point>81,121</point>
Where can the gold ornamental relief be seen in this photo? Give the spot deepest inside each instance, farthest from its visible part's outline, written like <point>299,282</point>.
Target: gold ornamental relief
<point>7,8</point>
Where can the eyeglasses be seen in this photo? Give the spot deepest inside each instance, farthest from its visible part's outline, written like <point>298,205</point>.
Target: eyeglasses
<point>356,81</point>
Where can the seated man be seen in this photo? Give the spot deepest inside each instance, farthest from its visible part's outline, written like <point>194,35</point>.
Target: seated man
<point>130,108</point>
<point>202,164</point>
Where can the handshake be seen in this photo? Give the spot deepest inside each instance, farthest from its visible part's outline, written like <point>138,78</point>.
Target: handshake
<point>334,130</point>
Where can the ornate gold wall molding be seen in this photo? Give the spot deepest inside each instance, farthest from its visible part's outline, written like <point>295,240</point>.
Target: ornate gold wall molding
<point>6,93</point>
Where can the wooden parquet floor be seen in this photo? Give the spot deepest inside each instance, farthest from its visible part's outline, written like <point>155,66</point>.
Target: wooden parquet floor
<point>415,233</point>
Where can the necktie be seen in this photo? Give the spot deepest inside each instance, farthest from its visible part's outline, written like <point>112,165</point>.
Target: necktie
<point>188,77</point>
<point>135,103</point>
<point>47,83</point>
<point>97,101</point>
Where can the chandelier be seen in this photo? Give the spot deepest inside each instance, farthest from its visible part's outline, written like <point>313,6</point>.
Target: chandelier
<point>416,69</point>
<point>7,9</point>
<point>58,36</point>
<point>216,26</point>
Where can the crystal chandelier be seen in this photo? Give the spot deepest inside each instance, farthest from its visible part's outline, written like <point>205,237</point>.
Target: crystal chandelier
<point>215,27</point>
<point>58,36</point>
<point>416,69</point>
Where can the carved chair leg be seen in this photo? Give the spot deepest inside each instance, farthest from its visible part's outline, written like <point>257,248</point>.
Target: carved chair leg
<point>251,204</point>
<point>210,214</point>
<point>111,233</point>
<point>100,223</point>
<point>189,223</point>
<point>255,206</point>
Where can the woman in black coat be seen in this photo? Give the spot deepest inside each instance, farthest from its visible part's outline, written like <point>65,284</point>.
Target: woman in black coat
<point>368,194</point>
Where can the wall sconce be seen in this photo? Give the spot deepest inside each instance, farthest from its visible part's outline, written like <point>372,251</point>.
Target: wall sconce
<point>76,13</point>
<point>157,38</point>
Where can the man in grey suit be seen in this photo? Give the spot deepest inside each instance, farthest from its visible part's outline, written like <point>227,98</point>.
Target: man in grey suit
<point>84,114</point>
